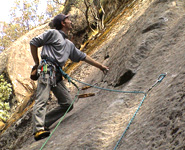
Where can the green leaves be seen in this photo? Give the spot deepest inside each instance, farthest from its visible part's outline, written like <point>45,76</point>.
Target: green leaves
<point>5,92</point>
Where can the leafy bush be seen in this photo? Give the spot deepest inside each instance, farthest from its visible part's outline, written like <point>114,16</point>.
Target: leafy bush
<point>5,92</point>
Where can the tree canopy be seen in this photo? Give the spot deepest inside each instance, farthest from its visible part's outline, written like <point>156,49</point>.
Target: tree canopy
<point>25,15</point>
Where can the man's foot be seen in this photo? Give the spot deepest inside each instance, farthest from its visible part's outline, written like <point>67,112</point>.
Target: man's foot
<point>41,135</point>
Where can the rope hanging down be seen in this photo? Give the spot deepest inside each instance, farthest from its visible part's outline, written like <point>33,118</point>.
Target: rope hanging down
<point>161,77</point>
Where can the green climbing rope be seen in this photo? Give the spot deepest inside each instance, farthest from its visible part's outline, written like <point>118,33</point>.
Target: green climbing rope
<point>136,92</point>
<point>160,78</point>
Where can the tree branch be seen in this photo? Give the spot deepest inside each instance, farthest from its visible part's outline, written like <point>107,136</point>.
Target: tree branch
<point>57,1</point>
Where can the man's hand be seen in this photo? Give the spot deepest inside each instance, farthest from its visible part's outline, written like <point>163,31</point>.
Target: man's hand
<point>104,69</point>
<point>34,76</point>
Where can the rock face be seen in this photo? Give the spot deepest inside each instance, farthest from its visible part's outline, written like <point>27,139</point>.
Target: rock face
<point>141,44</point>
<point>78,11</point>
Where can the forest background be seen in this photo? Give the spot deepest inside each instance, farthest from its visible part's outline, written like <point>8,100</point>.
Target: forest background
<point>24,15</point>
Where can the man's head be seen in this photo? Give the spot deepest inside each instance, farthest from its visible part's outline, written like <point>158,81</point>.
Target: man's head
<point>61,21</point>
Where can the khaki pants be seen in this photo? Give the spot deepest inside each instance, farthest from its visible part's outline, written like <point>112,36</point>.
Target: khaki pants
<point>40,118</point>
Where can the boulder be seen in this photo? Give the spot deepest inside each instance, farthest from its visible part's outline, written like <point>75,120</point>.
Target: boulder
<point>17,63</point>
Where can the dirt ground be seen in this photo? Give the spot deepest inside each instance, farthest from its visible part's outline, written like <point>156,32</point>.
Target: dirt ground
<point>140,47</point>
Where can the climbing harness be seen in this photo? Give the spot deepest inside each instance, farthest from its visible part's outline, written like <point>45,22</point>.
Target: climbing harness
<point>47,72</point>
<point>65,75</point>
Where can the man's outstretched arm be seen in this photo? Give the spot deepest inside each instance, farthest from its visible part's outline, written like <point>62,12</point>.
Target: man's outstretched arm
<point>92,62</point>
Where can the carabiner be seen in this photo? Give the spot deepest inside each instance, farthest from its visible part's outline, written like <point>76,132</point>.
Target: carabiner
<point>161,77</point>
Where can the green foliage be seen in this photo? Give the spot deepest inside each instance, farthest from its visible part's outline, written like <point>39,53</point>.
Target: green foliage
<point>5,92</point>
<point>53,8</point>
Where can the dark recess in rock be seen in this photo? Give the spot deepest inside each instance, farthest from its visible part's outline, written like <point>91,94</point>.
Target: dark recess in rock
<point>127,76</point>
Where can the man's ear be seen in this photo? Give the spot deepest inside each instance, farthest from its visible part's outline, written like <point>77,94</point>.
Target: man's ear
<point>63,23</point>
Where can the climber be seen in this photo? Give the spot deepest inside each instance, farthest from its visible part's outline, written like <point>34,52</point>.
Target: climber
<point>56,49</point>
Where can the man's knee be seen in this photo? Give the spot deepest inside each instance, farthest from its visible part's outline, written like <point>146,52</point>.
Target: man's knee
<point>65,107</point>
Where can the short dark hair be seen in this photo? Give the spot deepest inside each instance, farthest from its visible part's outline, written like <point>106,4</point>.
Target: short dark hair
<point>58,19</point>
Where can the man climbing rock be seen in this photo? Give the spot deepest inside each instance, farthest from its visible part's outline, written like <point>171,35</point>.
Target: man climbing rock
<point>56,49</point>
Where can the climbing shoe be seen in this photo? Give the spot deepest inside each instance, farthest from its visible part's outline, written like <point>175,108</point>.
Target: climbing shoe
<point>41,135</point>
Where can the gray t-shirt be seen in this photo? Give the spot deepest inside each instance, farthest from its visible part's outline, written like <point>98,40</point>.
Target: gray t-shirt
<point>57,46</point>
